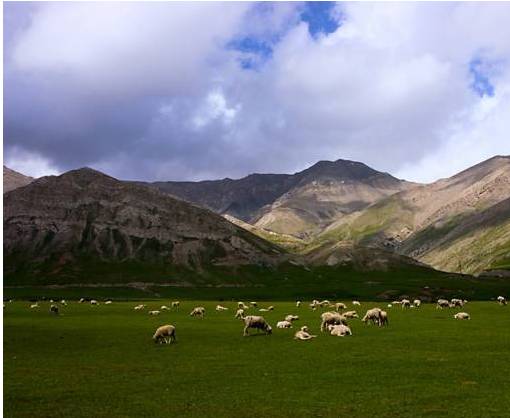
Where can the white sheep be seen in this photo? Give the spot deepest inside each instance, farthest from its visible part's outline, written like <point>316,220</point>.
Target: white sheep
<point>284,324</point>
<point>298,304</point>
<point>165,334</point>
<point>139,307</point>
<point>373,315</point>
<point>390,305</point>
<point>331,318</point>
<point>350,314</point>
<point>383,318</point>
<point>221,308</point>
<point>501,300</point>
<point>339,306</point>
<point>254,304</point>
<point>263,310</point>
<point>356,302</point>
<point>405,303</point>
<point>94,302</point>
<point>291,318</point>
<point>442,303</point>
<point>239,314</point>
<point>34,306</point>
<point>198,311</point>
<point>108,302</point>
<point>456,303</point>
<point>63,302</point>
<point>164,308</point>
<point>241,305</point>
<point>256,322</point>
<point>417,303</point>
<point>303,334</point>
<point>154,313</point>
<point>462,315</point>
<point>81,300</point>
<point>340,330</point>
<point>175,304</point>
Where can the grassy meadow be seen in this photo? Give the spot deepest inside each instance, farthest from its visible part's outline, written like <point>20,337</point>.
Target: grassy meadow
<point>100,361</point>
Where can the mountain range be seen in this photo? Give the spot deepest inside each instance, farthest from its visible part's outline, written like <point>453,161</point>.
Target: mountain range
<point>334,212</point>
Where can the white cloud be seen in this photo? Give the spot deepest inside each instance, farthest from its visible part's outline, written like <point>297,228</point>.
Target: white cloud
<point>30,164</point>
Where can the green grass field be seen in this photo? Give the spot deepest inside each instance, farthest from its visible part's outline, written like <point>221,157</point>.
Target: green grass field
<point>101,362</point>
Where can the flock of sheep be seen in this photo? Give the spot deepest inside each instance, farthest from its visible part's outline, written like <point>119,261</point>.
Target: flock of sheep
<point>333,321</point>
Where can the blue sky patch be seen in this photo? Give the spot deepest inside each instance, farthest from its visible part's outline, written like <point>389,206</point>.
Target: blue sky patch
<point>481,84</point>
<point>319,17</point>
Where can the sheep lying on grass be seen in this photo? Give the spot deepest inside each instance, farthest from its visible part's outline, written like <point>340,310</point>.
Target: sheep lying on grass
<point>164,335</point>
<point>350,314</point>
<point>284,324</point>
<point>303,334</point>
<point>34,306</point>
<point>291,318</point>
<point>331,318</point>
<point>339,330</point>
<point>221,308</point>
<point>462,315</point>
<point>256,322</point>
<point>154,313</point>
<point>198,311</point>
<point>356,303</point>
<point>139,307</point>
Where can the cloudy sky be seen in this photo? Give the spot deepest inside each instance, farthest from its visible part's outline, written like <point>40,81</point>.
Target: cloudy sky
<point>188,91</point>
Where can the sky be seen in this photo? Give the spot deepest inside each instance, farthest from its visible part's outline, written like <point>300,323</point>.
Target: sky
<point>192,91</point>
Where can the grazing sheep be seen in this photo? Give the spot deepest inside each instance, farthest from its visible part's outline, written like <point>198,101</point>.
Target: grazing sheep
<point>63,302</point>
<point>314,304</point>
<point>405,303</point>
<point>331,318</point>
<point>372,315</point>
<point>356,302</point>
<point>303,334</point>
<point>298,304</point>
<point>81,300</point>
<point>263,310</point>
<point>324,303</point>
<point>462,315</point>
<point>284,324</point>
<point>340,330</point>
<point>108,302</point>
<point>33,306</point>
<point>270,308</point>
<point>221,308</point>
<point>456,303</point>
<point>338,306</point>
<point>291,318</point>
<point>164,308</point>
<point>198,311</point>
<point>164,334</point>
<point>239,314</point>
<point>54,309</point>
<point>417,303</point>
<point>154,313</point>
<point>442,303</point>
<point>254,304</point>
<point>256,322</point>
<point>175,304</point>
<point>139,307</point>
<point>350,314</point>
<point>94,302</point>
<point>501,300</point>
<point>383,319</point>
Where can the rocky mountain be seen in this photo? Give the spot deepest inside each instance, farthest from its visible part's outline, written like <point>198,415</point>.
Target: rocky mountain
<point>13,179</point>
<point>435,221</point>
<point>301,204</point>
<point>59,226</point>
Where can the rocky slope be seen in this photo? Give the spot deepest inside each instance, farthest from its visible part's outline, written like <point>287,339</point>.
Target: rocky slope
<point>300,204</point>
<point>13,179</point>
<point>54,222</point>
<point>429,222</point>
